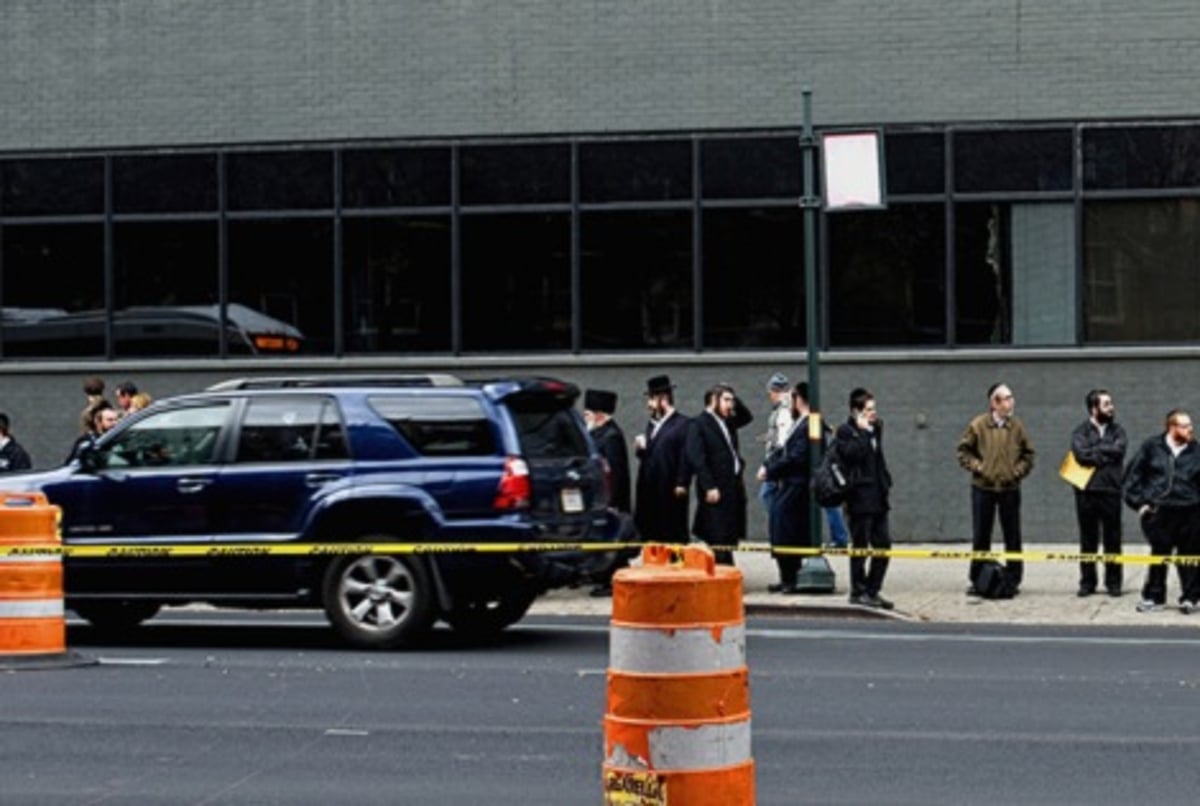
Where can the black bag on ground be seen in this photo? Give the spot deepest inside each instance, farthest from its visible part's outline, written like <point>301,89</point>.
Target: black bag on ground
<point>830,482</point>
<point>993,582</point>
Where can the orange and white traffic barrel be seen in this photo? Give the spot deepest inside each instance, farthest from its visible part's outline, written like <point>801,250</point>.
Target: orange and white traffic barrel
<point>677,729</point>
<point>32,623</point>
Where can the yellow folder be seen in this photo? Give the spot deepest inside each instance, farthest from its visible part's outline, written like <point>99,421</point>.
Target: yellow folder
<point>1074,473</point>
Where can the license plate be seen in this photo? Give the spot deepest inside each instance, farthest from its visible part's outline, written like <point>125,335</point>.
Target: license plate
<point>572,499</point>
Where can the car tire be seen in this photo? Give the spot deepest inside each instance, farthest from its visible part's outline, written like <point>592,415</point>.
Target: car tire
<point>484,617</point>
<point>378,601</point>
<point>115,615</point>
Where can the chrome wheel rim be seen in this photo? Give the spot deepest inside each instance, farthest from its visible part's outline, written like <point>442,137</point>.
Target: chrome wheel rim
<point>376,593</point>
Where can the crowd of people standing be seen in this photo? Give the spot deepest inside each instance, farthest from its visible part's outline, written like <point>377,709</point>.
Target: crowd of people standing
<point>675,453</point>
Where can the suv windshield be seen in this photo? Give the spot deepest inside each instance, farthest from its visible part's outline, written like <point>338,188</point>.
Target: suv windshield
<point>547,429</point>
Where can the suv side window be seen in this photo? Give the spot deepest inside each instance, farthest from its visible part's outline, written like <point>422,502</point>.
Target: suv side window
<point>290,429</point>
<point>439,425</point>
<point>177,438</point>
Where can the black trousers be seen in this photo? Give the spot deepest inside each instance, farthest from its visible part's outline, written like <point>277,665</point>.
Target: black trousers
<point>1167,531</point>
<point>1099,513</point>
<point>868,531</point>
<point>984,506</point>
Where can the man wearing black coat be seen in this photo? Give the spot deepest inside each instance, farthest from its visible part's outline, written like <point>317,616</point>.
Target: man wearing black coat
<point>1100,443</point>
<point>12,456</point>
<point>598,408</point>
<point>788,469</point>
<point>1162,484</point>
<point>661,506</point>
<point>712,454</point>
<point>860,445</point>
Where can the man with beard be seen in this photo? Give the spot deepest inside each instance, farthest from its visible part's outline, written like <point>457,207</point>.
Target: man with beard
<point>712,454</point>
<point>598,409</point>
<point>661,506</point>
<point>1162,484</point>
<point>1100,443</point>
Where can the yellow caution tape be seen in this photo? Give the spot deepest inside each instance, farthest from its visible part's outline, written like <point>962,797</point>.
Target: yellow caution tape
<point>98,550</point>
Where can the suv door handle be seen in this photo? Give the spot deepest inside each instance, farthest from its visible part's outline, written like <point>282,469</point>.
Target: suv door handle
<point>191,484</point>
<point>320,479</point>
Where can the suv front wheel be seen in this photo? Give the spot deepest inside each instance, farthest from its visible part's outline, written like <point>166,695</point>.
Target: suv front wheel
<point>378,601</point>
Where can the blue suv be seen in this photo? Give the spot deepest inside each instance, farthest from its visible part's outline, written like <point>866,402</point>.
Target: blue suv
<point>274,462</point>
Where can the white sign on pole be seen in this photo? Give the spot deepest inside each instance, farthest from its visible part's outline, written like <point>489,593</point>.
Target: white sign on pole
<point>852,170</point>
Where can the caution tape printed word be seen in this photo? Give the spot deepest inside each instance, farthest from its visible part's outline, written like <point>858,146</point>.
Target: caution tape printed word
<point>97,550</point>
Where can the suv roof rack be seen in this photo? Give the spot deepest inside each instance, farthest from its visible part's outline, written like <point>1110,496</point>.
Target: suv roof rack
<point>307,381</point>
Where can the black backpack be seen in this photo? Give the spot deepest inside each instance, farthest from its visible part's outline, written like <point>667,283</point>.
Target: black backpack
<point>830,482</point>
<point>993,581</point>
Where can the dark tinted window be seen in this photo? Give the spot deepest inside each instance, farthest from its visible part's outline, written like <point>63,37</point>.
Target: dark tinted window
<point>655,170</point>
<point>546,428</point>
<point>52,186</point>
<point>915,163</point>
<point>290,429</point>
<point>396,177</point>
<point>53,290</point>
<point>983,276</point>
<point>439,425</point>
<point>515,174</point>
<point>887,272</point>
<point>282,180</point>
<point>754,277</point>
<point>1012,161</point>
<point>1140,261</point>
<point>751,167</point>
<point>1149,157</point>
<point>397,283</point>
<point>164,184</point>
<point>516,272</point>
<point>637,279</point>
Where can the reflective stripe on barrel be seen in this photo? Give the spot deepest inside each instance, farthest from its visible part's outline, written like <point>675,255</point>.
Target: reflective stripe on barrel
<point>677,728</point>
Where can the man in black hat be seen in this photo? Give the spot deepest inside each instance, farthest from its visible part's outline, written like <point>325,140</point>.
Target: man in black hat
<point>661,508</point>
<point>714,456</point>
<point>598,408</point>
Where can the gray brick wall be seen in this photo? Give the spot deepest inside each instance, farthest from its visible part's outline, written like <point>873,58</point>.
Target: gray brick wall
<point>130,72</point>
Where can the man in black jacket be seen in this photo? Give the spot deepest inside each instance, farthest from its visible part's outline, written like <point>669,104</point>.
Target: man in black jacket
<point>661,507</point>
<point>860,445</point>
<point>714,458</point>
<point>1100,443</point>
<point>1162,484</point>
<point>598,408</point>
<point>12,456</point>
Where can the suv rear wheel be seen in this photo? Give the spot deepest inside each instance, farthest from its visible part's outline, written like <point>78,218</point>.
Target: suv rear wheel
<point>378,601</point>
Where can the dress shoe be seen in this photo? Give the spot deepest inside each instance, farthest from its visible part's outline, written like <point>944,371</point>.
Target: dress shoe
<point>782,587</point>
<point>1115,592</point>
<point>1084,591</point>
<point>878,602</point>
<point>858,599</point>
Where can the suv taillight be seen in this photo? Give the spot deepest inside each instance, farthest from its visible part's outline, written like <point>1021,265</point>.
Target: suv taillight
<point>514,490</point>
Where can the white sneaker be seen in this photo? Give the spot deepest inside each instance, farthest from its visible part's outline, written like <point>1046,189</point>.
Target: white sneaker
<point>1149,606</point>
<point>1187,607</point>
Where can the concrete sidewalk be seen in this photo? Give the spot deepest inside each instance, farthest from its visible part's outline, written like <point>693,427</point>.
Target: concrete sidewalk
<point>934,590</point>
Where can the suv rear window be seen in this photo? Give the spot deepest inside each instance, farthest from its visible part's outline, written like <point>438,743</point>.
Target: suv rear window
<point>439,425</point>
<point>547,428</point>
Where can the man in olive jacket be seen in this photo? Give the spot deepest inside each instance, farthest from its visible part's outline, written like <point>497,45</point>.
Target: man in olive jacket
<point>996,451</point>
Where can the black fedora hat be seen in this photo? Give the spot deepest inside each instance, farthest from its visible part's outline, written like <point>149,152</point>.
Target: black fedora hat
<point>600,400</point>
<point>659,384</point>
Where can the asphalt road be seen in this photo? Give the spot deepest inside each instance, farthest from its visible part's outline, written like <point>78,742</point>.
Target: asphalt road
<point>250,709</point>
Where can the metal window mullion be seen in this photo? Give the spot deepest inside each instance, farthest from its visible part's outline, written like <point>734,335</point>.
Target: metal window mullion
<point>339,341</point>
<point>108,264</point>
<point>222,256</point>
<point>1080,276</point>
<point>576,260</point>
<point>697,255</point>
<point>455,255</point>
<point>951,258</point>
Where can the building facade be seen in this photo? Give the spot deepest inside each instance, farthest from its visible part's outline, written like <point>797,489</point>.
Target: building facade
<point>606,191</point>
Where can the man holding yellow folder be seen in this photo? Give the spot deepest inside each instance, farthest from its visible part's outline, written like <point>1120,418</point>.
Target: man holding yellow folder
<point>1098,447</point>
